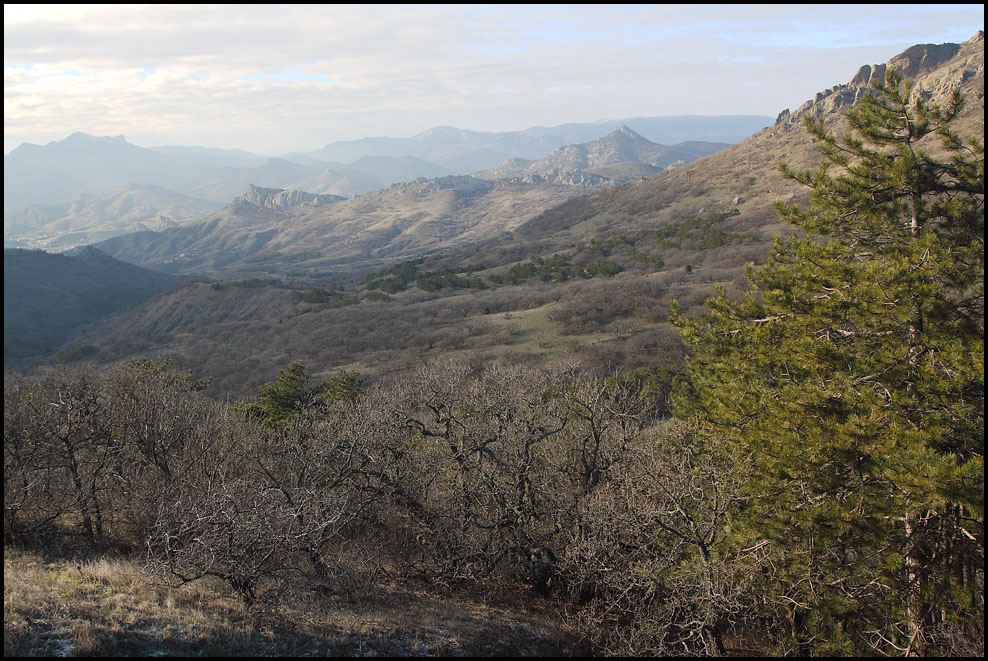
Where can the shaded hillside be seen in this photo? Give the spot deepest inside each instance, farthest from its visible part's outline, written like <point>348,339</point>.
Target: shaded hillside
<point>241,333</point>
<point>47,298</point>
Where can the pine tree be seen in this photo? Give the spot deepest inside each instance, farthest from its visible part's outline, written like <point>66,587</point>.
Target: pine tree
<point>291,394</point>
<point>853,371</point>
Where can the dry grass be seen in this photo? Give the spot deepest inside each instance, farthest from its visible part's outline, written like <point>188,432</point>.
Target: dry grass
<point>107,607</point>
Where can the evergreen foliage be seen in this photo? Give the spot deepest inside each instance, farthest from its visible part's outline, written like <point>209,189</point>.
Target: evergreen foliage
<point>290,394</point>
<point>853,372</point>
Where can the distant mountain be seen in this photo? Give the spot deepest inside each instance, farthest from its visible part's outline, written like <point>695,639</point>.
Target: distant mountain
<point>47,297</point>
<point>228,182</point>
<point>82,163</point>
<point>398,169</point>
<point>92,217</point>
<point>468,151</point>
<point>621,146</point>
<point>670,130</point>
<point>473,160</point>
<point>57,174</point>
<point>339,181</point>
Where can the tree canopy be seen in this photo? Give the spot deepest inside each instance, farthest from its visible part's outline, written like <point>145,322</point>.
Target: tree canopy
<point>853,373</point>
<point>291,394</point>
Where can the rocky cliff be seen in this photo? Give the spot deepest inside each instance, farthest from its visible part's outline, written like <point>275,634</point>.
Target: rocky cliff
<point>276,198</point>
<point>936,70</point>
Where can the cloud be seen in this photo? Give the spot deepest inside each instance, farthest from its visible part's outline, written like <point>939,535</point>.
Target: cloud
<point>277,78</point>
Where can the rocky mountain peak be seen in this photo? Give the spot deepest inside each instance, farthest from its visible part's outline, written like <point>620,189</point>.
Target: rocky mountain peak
<point>623,132</point>
<point>80,138</point>
<point>462,185</point>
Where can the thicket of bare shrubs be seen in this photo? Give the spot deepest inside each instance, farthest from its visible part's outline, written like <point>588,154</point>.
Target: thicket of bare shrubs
<point>581,486</point>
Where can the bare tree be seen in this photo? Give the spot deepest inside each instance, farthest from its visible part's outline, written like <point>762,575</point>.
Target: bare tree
<point>650,562</point>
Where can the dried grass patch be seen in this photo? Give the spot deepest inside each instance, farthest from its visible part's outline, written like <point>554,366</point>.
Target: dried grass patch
<point>108,607</point>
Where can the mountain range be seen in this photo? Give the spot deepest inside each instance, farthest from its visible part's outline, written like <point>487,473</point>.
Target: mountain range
<point>465,151</point>
<point>402,221</point>
<point>65,172</point>
<point>92,217</point>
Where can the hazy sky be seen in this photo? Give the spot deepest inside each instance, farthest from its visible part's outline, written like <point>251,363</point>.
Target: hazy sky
<point>280,78</point>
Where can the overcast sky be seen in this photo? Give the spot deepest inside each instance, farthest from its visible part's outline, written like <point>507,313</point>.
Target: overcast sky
<point>279,78</point>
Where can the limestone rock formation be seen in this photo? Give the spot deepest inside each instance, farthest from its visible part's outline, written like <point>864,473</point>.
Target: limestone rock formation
<point>936,70</point>
<point>276,198</point>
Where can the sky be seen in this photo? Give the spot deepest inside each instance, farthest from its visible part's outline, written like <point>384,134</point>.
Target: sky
<point>275,79</point>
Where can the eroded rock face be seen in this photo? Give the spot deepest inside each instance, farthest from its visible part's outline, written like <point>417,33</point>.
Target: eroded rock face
<point>936,69</point>
<point>277,198</point>
<point>462,185</point>
<point>566,178</point>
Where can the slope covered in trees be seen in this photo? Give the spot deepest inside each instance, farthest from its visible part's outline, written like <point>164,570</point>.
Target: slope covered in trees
<point>819,489</point>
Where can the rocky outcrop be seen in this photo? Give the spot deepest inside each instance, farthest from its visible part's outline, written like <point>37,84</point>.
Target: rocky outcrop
<point>563,178</point>
<point>570,165</point>
<point>277,198</point>
<point>462,185</point>
<point>936,69</point>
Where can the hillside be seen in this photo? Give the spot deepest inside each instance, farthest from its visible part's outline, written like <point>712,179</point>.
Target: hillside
<point>746,177</point>
<point>47,298</point>
<point>360,234</point>
<point>589,279</point>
